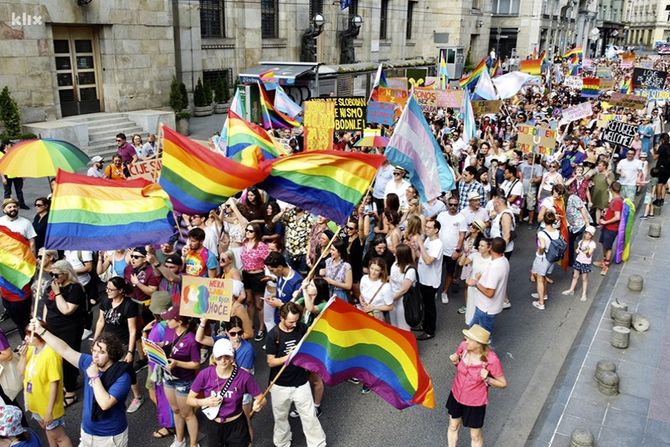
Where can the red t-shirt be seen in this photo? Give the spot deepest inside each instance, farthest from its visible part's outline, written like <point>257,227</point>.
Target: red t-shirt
<point>615,205</point>
<point>469,388</point>
<point>146,276</point>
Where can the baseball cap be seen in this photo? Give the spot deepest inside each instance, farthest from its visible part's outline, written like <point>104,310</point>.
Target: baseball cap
<point>222,347</point>
<point>174,259</point>
<point>171,313</point>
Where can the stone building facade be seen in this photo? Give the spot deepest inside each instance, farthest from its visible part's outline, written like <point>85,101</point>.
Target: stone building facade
<point>647,22</point>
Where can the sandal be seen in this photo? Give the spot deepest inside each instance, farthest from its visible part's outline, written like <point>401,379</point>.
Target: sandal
<point>160,434</point>
<point>70,400</point>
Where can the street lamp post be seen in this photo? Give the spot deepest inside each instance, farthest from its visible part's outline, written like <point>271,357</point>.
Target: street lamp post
<point>347,53</point>
<point>308,40</point>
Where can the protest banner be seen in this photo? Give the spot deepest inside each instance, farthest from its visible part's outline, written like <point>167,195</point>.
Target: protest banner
<point>372,133</point>
<point>399,83</point>
<point>649,79</point>
<point>573,82</point>
<point>381,112</point>
<point>658,95</point>
<point>427,99</point>
<point>579,111</point>
<point>350,113</point>
<point>451,98</point>
<point>606,84</point>
<point>416,77</point>
<point>210,298</point>
<point>604,73</point>
<point>397,96</point>
<point>536,139</point>
<point>483,107</point>
<point>618,132</point>
<point>319,119</point>
<point>630,101</point>
<point>627,60</point>
<point>146,169</point>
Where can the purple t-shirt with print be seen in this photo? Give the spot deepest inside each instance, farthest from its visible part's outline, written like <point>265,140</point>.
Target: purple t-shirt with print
<point>186,350</point>
<point>208,384</point>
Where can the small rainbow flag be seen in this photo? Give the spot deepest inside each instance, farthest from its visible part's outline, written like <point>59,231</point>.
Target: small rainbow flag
<point>470,81</point>
<point>627,86</point>
<point>496,69</point>
<point>198,179</point>
<point>154,352</point>
<point>273,118</point>
<point>326,183</point>
<point>89,213</point>
<point>242,134</point>
<point>531,66</point>
<point>17,262</point>
<point>345,342</point>
<point>577,51</point>
<point>590,87</point>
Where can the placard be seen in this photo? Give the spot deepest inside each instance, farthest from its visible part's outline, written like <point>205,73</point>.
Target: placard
<point>573,82</point>
<point>649,79</point>
<point>399,83</point>
<point>381,112</point>
<point>579,111</point>
<point>604,73</point>
<point>416,77</point>
<point>618,132</point>
<point>627,60</point>
<point>451,98</point>
<point>427,99</point>
<point>605,119</point>
<point>210,298</point>
<point>350,113</point>
<point>319,119</point>
<point>536,139</point>
<point>606,84</point>
<point>146,169</point>
<point>483,107</point>
<point>394,95</point>
<point>630,101</point>
<point>658,95</point>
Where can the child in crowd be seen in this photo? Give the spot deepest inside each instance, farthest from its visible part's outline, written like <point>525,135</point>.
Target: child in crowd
<point>583,262</point>
<point>650,195</point>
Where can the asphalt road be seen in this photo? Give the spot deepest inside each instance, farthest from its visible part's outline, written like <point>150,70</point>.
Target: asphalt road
<point>524,338</point>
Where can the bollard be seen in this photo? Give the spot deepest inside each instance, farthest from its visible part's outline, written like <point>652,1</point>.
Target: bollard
<point>620,337</point>
<point>622,318</point>
<point>654,230</point>
<point>616,305</point>
<point>602,367</point>
<point>640,324</point>
<point>609,385</point>
<point>581,437</point>
<point>635,283</point>
<point>657,210</point>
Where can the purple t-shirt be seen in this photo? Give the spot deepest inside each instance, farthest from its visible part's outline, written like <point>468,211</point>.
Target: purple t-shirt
<point>186,350</point>
<point>127,151</point>
<point>4,343</point>
<point>209,384</point>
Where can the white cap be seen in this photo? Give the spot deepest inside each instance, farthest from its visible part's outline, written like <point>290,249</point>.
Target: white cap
<point>96,159</point>
<point>223,347</point>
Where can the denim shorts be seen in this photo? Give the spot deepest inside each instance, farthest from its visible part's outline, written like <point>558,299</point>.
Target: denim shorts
<point>54,424</point>
<point>180,386</point>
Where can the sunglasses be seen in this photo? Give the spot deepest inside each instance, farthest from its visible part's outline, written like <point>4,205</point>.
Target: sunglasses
<point>137,256</point>
<point>351,228</point>
<point>248,230</point>
<point>456,204</point>
<point>397,173</point>
<point>235,333</point>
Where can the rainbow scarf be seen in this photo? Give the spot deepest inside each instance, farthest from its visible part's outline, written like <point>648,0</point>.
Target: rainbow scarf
<point>470,81</point>
<point>345,342</point>
<point>17,262</point>
<point>625,232</point>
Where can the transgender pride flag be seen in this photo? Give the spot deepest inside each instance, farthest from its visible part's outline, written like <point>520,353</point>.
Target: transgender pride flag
<point>414,148</point>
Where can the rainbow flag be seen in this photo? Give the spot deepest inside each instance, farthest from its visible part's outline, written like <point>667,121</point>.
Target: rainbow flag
<point>198,179</point>
<point>17,262</point>
<point>345,342</point>
<point>470,81</point>
<point>531,66</point>
<point>89,213</point>
<point>154,352</point>
<point>326,183</point>
<point>379,81</point>
<point>576,52</point>
<point>590,87</point>
<point>627,86</point>
<point>625,232</point>
<point>496,69</point>
<point>273,118</point>
<point>242,134</point>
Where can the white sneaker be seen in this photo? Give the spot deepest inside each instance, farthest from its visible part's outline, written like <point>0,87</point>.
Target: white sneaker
<point>176,443</point>
<point>507,304</point>
<point>537,297</point>
<point>568,292</point>
<point>87,333</point>
<point>445,298</point>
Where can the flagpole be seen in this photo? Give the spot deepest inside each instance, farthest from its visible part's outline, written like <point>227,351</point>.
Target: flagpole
<point>39,289</point>
<point>323,252</point>
<point>159,153</point>
<point>264,109</point>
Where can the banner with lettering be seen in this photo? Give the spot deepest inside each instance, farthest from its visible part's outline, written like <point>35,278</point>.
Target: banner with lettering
<point>485,107</point>
<point>630,101</point>
<point>350,113</point>
<point>427,99</point>
<point>537,139</point>
<point>579,111</point>
<point>649,79</point>
<point>618,132</point>
<point>452,98</point>
<point>573,82</point>
<point>658,95</point>
<point>319,120</point>
<point>381,112</point>
<point>146,169</point>
<point>210,298</point>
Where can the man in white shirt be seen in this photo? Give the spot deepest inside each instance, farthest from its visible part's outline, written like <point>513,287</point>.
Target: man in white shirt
<point>513,190</point>
<point>96,167</point>
<point>16,223</point>
<point>82,263</point>
<point>452,234</point>
<point>383,177</point>
<point>474,209</point>
<point>430,275</point>
<point>629,170</point>
<point>398,185</point>
<point>491,287</point>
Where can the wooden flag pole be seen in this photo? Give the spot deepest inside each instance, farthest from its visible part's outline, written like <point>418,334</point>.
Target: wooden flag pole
<point>39,289</point>
<point>323,253</point>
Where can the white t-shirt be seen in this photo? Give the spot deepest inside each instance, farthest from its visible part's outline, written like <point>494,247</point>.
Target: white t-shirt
<point>451,227</point>
<point>77,258</point>
<point>19,225</point>
<point>431,274</point>
<point>399,189</point>
<point>397,277</point>
<point>513,188</point>
<point>471,216</point>
<point>552,233</point>
<point>95,172</point>
<point>369,288</point>
<point>629,171</point>
<point>495,277</point>
<point>384,175</point>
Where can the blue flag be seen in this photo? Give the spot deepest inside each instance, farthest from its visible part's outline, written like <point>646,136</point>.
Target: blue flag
<point>344,4</point>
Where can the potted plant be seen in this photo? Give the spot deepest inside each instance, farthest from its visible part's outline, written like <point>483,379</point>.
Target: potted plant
<point>221,95</point>
<point>203,103</point>
<point>178,102</point>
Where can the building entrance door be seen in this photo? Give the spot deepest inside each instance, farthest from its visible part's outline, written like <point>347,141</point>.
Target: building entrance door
<point>77,55</point>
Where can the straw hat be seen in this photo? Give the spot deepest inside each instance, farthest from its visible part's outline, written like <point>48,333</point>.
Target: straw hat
<point>478,334</point>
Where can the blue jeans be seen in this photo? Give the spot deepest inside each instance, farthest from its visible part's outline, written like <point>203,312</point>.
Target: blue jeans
<point>484,320</point>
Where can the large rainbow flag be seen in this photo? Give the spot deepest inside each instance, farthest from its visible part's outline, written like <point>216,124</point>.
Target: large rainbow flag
<point>242,134</point>
<point>327,183</point>
<point>531,66</point>
<point>198,179</point>
<point>90,213</point>
<point>574,53</point>
<point>345,342</point>
<point>625,232</point>
<point>590,87</point>
<point>273,118</point>
<point>17,262</point>
<point>471,79</point>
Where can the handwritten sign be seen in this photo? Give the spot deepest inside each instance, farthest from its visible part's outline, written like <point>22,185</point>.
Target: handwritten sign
<point>578,112</point>
<point>649,79</point>
<point>484,107</point>
<point>573,82</point>
<point>627,60</point>
<point>618,132</point>
<point>630,101</point>
<point>604,73</point>
<point>536,139</point>
<point>427,99</point>
<point>350,113</point>
<point>452,98</point>
<point>210,298</point>
<point>381,112</point>
<point>395,95</point>
<point>146,169</point>
<point>319,119</point>
<point>658,95</point>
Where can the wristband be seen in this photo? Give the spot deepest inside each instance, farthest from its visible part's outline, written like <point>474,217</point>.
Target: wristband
<point>131,352</point>
<point>59,294</point>
<point>43,332</point>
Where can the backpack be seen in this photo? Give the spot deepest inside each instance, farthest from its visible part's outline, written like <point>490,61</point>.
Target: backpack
<point>413,303</point>
<point>556,249</point>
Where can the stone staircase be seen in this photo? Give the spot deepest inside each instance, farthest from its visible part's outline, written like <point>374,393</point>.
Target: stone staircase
<point>102,130</point>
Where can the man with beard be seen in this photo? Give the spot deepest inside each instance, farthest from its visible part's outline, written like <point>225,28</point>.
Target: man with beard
<point>16,223</point>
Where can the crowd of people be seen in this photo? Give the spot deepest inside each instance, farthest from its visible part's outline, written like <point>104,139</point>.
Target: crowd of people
<point>285,264</point>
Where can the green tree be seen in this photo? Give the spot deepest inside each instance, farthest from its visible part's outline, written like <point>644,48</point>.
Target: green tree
<point>176,98</point>
<point>199,98</point>
<point>9,114</point>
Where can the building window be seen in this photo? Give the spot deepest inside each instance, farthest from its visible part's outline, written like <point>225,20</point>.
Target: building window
<point>383,19</point>
<point>475,4</point>
<point>269,19</point>
<point>212,18</point>
<point>509,8</point>
<point>212,76</point>
<point>410,19</point>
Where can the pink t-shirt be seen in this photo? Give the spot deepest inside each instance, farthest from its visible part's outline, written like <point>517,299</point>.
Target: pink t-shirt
<point>253,259</point>
<point>209,384</point>
<point>469,388</point>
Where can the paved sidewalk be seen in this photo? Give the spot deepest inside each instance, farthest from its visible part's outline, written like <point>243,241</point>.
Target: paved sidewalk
<point>640,414</point>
